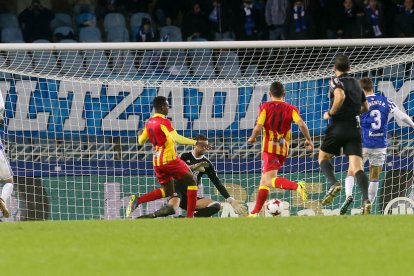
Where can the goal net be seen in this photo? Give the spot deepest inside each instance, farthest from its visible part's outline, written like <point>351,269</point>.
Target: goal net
<point>72,113</point>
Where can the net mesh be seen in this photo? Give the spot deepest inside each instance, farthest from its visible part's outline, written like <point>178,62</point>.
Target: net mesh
<point>72,116</point>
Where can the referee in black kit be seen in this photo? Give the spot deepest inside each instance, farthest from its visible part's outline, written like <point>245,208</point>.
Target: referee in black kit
<point>347,102</point>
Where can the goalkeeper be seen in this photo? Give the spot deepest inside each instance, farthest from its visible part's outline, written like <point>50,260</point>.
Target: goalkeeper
<point>200,165</point>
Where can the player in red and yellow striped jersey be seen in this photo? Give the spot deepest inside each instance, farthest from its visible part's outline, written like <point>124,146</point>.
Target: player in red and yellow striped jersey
<point>275,118</point>
<point>167,165</point>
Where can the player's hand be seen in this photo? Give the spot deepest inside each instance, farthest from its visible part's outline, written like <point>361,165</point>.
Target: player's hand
<point>251,140</point>
<point>309,145</point>
<point>140,132</point>
<point>200,166</point>
<point>238,206</point>
<point>326,116</point>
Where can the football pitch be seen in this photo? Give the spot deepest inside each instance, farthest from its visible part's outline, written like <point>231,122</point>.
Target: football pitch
<point>347,245</point>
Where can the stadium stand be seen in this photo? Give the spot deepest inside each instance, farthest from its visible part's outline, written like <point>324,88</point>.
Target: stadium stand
<point>11,34</point>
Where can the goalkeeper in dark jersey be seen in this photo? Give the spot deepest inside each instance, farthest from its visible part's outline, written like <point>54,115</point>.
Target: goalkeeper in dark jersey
<point>205,207</point>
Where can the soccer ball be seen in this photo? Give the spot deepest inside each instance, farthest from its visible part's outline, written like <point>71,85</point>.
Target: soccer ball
<point>274,207</point>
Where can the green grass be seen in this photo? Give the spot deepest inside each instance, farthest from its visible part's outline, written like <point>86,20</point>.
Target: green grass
<point>348,245</point>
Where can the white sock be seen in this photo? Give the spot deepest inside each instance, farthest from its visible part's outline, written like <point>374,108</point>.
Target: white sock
<point>372,190</point>
<point>6,191</point>
<point>349,185</point>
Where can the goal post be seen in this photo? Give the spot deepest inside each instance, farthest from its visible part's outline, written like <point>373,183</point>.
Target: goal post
<point>73,110</point>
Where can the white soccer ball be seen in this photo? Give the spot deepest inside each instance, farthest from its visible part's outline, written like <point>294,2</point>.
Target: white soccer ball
<point>274,207</point>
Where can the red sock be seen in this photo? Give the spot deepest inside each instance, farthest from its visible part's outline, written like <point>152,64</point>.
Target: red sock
<point>283,183</point>
<point>153,195</point>
<point>191,200</point>
<point>261,198</point>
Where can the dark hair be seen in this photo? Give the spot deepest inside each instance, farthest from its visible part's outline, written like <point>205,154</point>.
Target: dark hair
<point>276,89</point>
<point>342,63</point>
<point>200,137</point>
<point>366,84</point>
<point>159,101</point>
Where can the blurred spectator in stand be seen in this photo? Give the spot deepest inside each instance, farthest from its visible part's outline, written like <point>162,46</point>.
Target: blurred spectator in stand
<point>109,6</point>
<point>35,22</point>
<point>145,32</point>
<point>374,20</point>
<point>299,23</point>
<point>134,6</point>
<point>275,14</point>
<point>331,11</point>
<point>84,13</point>
<point>247,23</point>
<point>404,22</point>
<point>167,8</point>
<point>219,18</point>
<point>391,9</point>
<point>316,10</point>
<point>83,6</point>
<point>195,24</point>
<point>349,21</point>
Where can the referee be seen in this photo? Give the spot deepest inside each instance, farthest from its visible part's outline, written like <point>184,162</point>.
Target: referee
<point>348,101</point>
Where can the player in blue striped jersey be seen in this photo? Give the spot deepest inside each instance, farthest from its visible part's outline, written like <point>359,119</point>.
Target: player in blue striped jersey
<point>374,139</point>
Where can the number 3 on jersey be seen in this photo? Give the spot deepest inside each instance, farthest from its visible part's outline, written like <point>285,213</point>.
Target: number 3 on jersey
<point>376,115</point>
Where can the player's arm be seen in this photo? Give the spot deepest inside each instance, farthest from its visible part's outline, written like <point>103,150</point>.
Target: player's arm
<point>169,131</point>
<point>237,205</point>
<point>339,98</point>
<point>212,175</point>
<point>181,139</point>
<point>303,128</point>
<point>142,136</point>
<point>399,114</point>
<point>258,127</point>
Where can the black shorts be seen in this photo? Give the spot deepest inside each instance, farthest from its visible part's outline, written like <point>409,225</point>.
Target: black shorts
<point>181,191</point>
<point>346,136</point>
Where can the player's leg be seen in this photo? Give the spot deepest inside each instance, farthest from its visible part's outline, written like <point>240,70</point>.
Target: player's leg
<point>376,161</point>
<point>328,170</point>
<point>206,207</point>
<point>5,194</point>
<point>264,188</point>
<point>350,182</point>
<point>189,180</point>
<point>166,210</point>
<point>331,146</point>
<point>167,189</point>
<point>356,167</point>
<point>353,149</point>
<point>6,177</point>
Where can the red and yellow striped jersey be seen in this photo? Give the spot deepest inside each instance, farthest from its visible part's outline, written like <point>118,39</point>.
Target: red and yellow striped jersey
<point>276,118</point>
<point>159,130</point>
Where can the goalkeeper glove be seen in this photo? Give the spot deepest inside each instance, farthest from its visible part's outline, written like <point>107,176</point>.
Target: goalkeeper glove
<point>200,167</point>
<point>237,205</point>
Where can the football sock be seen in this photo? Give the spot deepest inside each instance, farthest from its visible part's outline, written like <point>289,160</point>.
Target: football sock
<point>6,191</point>
<point>328,171</point>
<point>362,180</point>
<point>283,183</point>
<point>349,185</point>
<point>151,196</point>
<point>166,210</point>
<point>208,211</point>
<point>261,198</point>
<point>372,190</point>
<point>191,200</point>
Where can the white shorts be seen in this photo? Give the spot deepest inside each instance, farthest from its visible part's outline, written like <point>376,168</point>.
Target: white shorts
<point>375,157</point>
<point>5,170</point>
